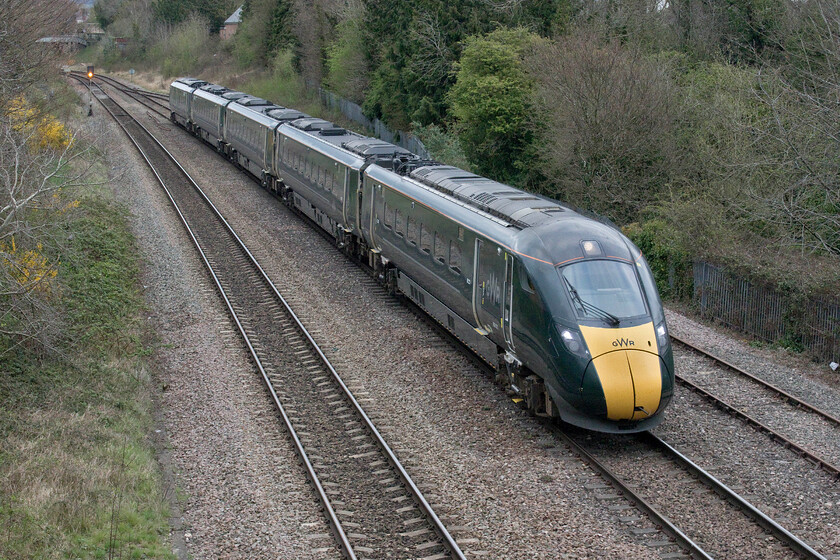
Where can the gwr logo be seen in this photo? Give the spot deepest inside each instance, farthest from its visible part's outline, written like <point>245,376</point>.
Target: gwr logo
<point>621,342</point>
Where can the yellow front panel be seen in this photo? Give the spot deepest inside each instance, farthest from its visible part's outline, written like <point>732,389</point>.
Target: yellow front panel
<point>627,364</point>
<point>617,383</point>
<point>603,340</point>
<point>647,379</point>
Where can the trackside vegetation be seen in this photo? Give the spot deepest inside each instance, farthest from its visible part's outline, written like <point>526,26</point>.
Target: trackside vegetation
<point>78,474</point>
<point>707,130</point>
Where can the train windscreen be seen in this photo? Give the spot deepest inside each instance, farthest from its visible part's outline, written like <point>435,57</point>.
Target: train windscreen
<point>603,289</point>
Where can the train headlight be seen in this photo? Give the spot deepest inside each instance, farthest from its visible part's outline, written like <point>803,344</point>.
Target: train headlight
<point>662,336</point>
<point>574,343</point>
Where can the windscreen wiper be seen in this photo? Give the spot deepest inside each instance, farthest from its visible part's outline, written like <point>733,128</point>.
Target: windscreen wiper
<point>590,308</point>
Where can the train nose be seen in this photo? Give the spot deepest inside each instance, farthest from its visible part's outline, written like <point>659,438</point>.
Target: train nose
<point>631,381</point>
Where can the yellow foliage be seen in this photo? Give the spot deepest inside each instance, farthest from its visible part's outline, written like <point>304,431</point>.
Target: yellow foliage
<point>30,268</point>
<point>73,204</point>
<point>50,133</point>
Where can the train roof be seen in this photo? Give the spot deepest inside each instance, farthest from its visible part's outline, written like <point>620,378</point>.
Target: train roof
<point>310,124</point>
<point>268,109</point>
<point>365,146</point>
<point>254,113</point>
<point>519,208</point>
<point>215,89</point>
<point>251,101</point>
<point>191,82</point>
<point>285,114</point>
<point>234,95</point>
<point>554,238</point>
<point>330,146</point>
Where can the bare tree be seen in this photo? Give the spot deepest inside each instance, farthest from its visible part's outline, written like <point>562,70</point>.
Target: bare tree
<point>434,57</point>
<point>38,162</point>
<point>800,194</point>
<point>610,127</point>
<point>36,186</point>
<point>22,22</point>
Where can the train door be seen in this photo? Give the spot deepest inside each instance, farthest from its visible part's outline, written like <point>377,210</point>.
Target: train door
<point>488,286</point>
<point>507,306</point>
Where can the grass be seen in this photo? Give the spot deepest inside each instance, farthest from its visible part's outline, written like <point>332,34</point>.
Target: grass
<point>78,476</point>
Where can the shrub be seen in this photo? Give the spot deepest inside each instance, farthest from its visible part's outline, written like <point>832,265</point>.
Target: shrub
<point>185,50</point>
<point>607,134</point>
<point>491,101</point>
<point>671,265</point>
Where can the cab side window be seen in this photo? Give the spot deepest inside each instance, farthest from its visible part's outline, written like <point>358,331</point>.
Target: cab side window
<point>524,279</point>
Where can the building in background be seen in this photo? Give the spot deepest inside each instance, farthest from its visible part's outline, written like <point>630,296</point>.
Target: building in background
<point>228,29</point>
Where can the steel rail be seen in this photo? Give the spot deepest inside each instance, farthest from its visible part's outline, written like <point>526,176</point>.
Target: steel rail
<point>334,521</point>
<point>758,516</point>
<point>658,518</point>
<point>138,94</point>
<point>776,436</point>
<point>824,464</point>
<point>766,384</point>
<point>448,540</point>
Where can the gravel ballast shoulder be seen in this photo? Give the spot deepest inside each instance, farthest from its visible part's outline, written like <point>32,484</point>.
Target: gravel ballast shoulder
<point>241,489</point>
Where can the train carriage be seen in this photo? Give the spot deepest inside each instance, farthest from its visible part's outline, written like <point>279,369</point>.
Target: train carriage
<point>249,135</point>
<point>207,112</point>
<point>180,100</point>
<point>323,175</point>
<point>515,276</point>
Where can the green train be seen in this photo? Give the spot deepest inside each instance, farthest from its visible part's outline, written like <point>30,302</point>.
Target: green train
<point>563,306</point>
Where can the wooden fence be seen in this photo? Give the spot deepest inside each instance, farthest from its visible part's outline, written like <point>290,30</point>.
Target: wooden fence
<point>767,313</point>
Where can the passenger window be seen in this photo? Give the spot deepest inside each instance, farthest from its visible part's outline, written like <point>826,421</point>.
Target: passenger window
<point>389,216</point>
<point>425,239</point>
<point>411,230</point>
<point>399,223</point>
<point>455,256</point>
<point>460,233</point>
<point>338,183</point>
<point>440,249</point>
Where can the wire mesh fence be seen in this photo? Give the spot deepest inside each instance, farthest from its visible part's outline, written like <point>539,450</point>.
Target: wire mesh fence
<point>354,112</point>
<point>767,313</point>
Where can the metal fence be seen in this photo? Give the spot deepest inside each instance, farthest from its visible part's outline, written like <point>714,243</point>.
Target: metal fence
<point>353,112</point>
<point>767,313</point>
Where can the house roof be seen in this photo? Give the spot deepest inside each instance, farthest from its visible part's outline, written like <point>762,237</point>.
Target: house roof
<point>235,17</point>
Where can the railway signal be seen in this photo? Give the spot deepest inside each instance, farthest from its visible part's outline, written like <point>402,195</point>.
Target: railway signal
<point>90,71</point>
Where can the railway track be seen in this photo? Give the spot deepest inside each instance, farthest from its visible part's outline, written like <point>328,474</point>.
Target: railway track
<point>372,505</point>
<point>157,102</point>
<point>689,505</point>
<point>761,529</point>
<point>777,413</point>
<point>624,463</point>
